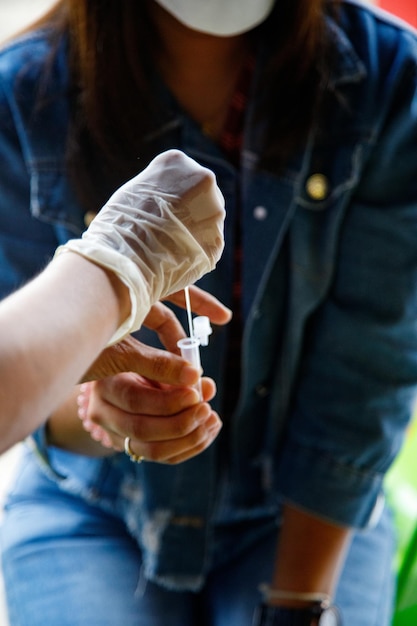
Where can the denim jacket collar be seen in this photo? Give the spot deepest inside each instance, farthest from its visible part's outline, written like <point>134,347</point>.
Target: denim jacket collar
<point>48,154</point>
<point>348,67</point>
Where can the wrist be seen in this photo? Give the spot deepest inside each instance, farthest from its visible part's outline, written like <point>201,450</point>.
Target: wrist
<point>122,294</point>
<point>293,599</point>
<point>123,276</point>
<point>293,608</point>
<point>314,615</point>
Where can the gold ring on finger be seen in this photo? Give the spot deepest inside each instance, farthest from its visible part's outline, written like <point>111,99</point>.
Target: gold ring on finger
<point>132,456</point>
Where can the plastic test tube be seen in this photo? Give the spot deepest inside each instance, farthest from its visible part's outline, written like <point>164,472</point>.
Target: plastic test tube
<point>190,351</point>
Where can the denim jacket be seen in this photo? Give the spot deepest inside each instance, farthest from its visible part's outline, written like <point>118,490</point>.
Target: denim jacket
<point>329,283</point>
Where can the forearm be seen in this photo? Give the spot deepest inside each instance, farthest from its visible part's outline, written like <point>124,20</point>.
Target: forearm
<point>75,308</point>
<point>310,555</point>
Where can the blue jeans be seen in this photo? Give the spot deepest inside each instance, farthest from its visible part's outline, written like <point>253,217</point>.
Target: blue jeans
<point>68,563</point>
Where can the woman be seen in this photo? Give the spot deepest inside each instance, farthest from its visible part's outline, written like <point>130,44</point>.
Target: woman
<point>306,112</point>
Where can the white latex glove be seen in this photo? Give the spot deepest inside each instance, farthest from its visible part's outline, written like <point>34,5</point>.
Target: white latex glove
<point>159,232</point>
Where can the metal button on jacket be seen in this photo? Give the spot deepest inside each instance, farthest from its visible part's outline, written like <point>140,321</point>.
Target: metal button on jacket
<point>317,186</point>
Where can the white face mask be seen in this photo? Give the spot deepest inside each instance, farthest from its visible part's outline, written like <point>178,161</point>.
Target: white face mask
<point>219,17</point>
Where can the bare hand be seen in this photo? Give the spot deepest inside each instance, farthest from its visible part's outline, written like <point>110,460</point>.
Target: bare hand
<point>166,424</point>
<point>130,355</point>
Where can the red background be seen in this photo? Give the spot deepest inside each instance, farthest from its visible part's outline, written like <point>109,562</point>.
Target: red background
<point>406,9</point>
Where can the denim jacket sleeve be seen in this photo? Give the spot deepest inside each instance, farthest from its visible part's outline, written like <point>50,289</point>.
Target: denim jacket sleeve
<point>37,207</point>
<point>17,252</point>
<point>357,375</point>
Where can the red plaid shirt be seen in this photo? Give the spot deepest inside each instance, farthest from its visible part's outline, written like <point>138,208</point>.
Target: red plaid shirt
<point>231,143</point>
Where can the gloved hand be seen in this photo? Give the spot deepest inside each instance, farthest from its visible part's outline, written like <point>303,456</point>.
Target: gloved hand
<point>159,232</point>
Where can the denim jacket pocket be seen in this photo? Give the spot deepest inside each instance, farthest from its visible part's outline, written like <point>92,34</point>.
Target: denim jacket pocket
<point>323,197</point>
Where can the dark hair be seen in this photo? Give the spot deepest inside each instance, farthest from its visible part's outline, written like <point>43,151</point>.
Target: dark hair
<point>295,82</point>
<point>114,107</point>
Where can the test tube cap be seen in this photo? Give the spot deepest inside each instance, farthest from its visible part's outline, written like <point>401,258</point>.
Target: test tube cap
<point>202,329</point>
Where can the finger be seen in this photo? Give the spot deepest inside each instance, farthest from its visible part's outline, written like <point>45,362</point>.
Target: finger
<point>167,326</point>
<point>101,435</point>
<point>208,389</point>
<point>139,396</point>
<point>129,406</point>
<point>211,435</point>
<point>105,426</point>
<point>83,400</point>
<point>131,355</point>
<point>150,429</point>
<point>173,451</point>
<point>177,450</point>
<point>96,432</point>
<point>203,303</point>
